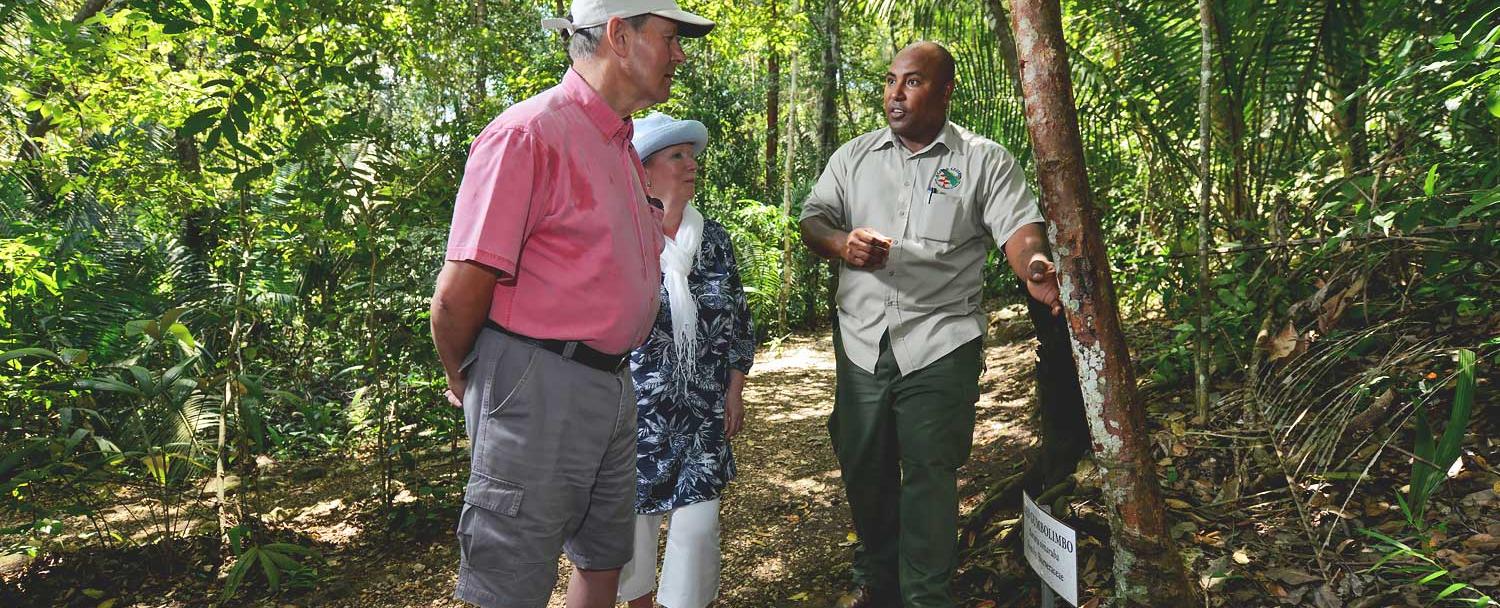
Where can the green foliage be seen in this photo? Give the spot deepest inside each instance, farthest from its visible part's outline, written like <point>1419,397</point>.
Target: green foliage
<point>273,561</point>
<point>1435,456</point>
<point>1425,571</point>
<point>235,209</point>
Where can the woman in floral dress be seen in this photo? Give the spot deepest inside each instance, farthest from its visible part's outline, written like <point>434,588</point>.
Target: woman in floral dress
<point>688,378</point>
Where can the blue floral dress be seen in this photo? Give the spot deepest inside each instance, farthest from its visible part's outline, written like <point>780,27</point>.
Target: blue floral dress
<point>682,454</point>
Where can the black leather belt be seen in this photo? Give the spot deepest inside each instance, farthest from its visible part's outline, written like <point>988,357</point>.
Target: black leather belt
<point>571,350</point>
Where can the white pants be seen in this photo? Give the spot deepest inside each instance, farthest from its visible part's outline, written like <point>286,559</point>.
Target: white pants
<point>690,571</point>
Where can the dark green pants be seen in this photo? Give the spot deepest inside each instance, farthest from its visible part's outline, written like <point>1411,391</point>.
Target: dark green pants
<point>900,441</point>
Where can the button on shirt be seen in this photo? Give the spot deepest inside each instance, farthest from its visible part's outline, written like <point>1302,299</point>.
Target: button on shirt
<point>943,205</point>
<point>552,198</point>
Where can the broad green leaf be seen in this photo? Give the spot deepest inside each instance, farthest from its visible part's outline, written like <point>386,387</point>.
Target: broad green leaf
<point>74,439</point>
<point>1475,208</point>
<point>143,326</point>
<point>1487,44</point>
<point>110,385</point>
<point>143,379</point>
<point>273,572</point>
<point>184,337</point>
<point>29,352</point>
<point>291,548</point>
<point>1424,448</point>
<point>1451,589</point>
<point>200,120</point>
<point>204,9</point>
<point>1429,186</point>
<point>237,573</point>
<point>1432,576</point>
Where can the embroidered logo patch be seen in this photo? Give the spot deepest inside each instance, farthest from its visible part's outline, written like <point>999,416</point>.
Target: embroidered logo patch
<point>949,178</point>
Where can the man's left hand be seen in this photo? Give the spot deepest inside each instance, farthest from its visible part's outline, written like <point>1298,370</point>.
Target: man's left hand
<point>455,393</point>
<point>1041,283</point>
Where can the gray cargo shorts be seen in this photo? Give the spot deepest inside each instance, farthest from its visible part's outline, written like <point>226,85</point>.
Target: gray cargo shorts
<point>552,469</point>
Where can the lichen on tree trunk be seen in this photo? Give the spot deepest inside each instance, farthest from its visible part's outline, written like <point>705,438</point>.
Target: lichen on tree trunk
<point>1148,570</point>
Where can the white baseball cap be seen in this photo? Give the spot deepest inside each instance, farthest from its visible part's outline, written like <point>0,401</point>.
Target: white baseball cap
<point>591,13</point>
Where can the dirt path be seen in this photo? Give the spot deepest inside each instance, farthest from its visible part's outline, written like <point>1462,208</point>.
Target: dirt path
<point>786,527</point>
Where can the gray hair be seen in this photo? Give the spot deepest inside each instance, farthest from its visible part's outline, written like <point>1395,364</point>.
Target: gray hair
<point>583,43</point>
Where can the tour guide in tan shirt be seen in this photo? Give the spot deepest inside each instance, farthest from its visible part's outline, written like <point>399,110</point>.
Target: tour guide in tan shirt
<point>911,210</point>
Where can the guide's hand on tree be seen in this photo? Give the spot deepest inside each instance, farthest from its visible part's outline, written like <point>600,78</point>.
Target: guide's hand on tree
<point>866,248</point>
<point>1041,283</point>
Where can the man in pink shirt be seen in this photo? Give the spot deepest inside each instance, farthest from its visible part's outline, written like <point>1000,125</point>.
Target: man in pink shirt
<point>551,278</point>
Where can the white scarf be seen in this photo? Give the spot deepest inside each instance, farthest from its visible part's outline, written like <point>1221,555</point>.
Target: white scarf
<point>677,260</point>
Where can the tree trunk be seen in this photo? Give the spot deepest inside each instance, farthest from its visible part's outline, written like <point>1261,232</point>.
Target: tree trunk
<point>786,192</point>
<point>1344,54</point>
<point>197,230</point>
<point>481,63</point>
<point>773,107</point>
<point>999,21</point>
<point>828,129</point>
<point>1241,208</point>
<point>1148,569</point>
<point>1205,189</point>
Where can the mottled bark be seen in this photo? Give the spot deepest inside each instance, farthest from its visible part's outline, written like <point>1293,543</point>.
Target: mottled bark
<point>1148,570</point>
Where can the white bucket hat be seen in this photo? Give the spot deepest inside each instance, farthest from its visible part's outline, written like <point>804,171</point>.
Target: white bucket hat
<point>657,131</point>
<point>591,13</point>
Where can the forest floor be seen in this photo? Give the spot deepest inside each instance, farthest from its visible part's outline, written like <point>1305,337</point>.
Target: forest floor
<point>787,539</point>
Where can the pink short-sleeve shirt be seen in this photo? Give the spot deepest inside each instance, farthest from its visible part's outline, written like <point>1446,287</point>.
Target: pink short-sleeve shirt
<point>552,198</point>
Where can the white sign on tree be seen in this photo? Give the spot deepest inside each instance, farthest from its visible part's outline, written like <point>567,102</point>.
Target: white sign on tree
<point>1051,549</point>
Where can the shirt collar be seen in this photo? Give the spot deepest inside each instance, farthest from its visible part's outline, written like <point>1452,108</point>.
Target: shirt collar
<point>948,138</point>
<point>595,108</point>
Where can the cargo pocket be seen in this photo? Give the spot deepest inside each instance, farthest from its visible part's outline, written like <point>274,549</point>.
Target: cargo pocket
<point>496,495</point>
<point>500,562</point>
<point>486,542</point>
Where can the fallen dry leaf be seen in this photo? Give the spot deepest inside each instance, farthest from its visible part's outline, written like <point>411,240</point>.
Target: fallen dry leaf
<point>1213,538</point>
<point>1482,542</point>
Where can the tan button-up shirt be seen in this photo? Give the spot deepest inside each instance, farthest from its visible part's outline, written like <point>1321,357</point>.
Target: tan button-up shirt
<point>944,205</point>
